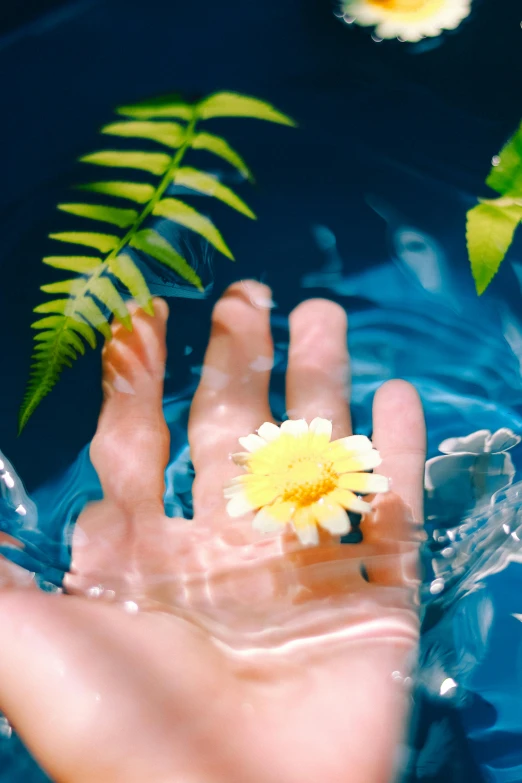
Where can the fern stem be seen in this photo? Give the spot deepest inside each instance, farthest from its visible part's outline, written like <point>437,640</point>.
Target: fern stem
<point>160,190</point>
<point>146,211</point>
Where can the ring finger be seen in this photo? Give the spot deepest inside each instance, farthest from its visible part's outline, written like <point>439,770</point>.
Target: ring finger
<point>318,365</point>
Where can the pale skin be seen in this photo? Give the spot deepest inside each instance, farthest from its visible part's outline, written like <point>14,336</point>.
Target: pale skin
<point>102,694</point>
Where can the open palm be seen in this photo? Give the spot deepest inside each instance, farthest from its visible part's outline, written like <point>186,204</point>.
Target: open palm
<point>214,654</point>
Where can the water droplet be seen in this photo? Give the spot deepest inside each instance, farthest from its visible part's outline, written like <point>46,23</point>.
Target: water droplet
<point>437,586</point>
<point>9,480</point>
<point>447,686</point>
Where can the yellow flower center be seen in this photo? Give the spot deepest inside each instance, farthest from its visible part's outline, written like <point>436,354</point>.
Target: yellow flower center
<point>307,481</point>
<point>425,7</point>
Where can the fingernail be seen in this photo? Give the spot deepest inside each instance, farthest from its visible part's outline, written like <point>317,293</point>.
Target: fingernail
<point>258,294</point>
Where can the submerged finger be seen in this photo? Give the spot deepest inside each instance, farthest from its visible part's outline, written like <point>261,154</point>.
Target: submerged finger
<point>131,446</point>
<point>399,434</point>
<point>318,365</point>
<point>394,528</point>
<point>232,397</point>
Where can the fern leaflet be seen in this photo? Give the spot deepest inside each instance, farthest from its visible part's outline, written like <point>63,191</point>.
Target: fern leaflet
<point>87,300</point>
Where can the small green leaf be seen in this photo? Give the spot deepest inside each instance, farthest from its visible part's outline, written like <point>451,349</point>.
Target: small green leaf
<point>166,106</point>
<point>171,134</point>
<point>231,104</point>
<point>83,328</point>
<point>72,338</point>
<point>218,146</point>
<point>71,287</point>
<point>211,186</point>
<point>149,241</point>
<point>94,316</point>
<point>45,336</point>
<point>118,217</point>
<point>124,268</point>
<point>154,162</point>
<point>102,242</point>
<point>181,213</point>
<point>81,264</point>
<point>490,231</point>
<point>506,176</point>
<point>55,306</point>
<point>51,322</point>
<point>133,191</point>
<point>107,293</point>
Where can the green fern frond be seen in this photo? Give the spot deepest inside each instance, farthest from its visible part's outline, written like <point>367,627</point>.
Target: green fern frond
<point>87,301</point>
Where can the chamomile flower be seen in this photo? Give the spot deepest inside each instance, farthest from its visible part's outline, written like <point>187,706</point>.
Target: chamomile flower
<point>408,20</point>
<point>296,475</point>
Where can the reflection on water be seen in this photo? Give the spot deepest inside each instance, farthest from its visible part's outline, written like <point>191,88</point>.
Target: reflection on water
<point>405,321</point>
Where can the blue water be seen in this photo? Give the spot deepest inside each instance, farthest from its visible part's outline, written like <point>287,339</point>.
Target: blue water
<point>365,204</point>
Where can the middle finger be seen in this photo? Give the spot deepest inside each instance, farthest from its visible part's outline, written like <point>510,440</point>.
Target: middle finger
<point>232,397</point>
<point>318,366</point>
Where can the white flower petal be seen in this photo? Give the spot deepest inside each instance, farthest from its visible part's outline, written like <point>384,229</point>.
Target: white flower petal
<point>446,470</point>
<point>320,426</point>
<point>252,442</point>
<point>269,431</point>
<point>238,505</point>
<point>296,427</point>
<point>502,440</point>
<point>360,506</point>
<point>394,21</point>
<point>366,483</point>
<point>390,29</point>
<point>265,523</point>
<point>413,36</point>
<point>356,443</point>
<point>475,443</point>
<point>378,483</point>
<point>308,534</point>
<point>236,484</point>
<point>364,14</point>
<point>336,521</point>
<point>369,461</point>
<point>238,479</point>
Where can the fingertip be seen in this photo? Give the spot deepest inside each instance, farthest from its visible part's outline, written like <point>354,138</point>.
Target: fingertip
<point>161,308</point>
<point>253,292</point>
<point>314,311</point>
<point>242,309</point>
<point>398,413</point>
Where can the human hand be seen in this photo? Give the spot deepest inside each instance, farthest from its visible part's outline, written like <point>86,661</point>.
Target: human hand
<point>214,654</point>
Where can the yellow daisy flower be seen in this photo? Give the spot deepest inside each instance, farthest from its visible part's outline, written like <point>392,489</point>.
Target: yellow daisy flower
<point>297,475</point>
<point>409,20</point>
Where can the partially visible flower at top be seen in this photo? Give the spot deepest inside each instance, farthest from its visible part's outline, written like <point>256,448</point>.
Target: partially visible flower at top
<point>297,475</point>
<point>408,20</point>
<point>471,469</point>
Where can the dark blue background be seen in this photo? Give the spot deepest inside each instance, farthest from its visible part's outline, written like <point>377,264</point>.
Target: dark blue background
<point>419,126</point>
